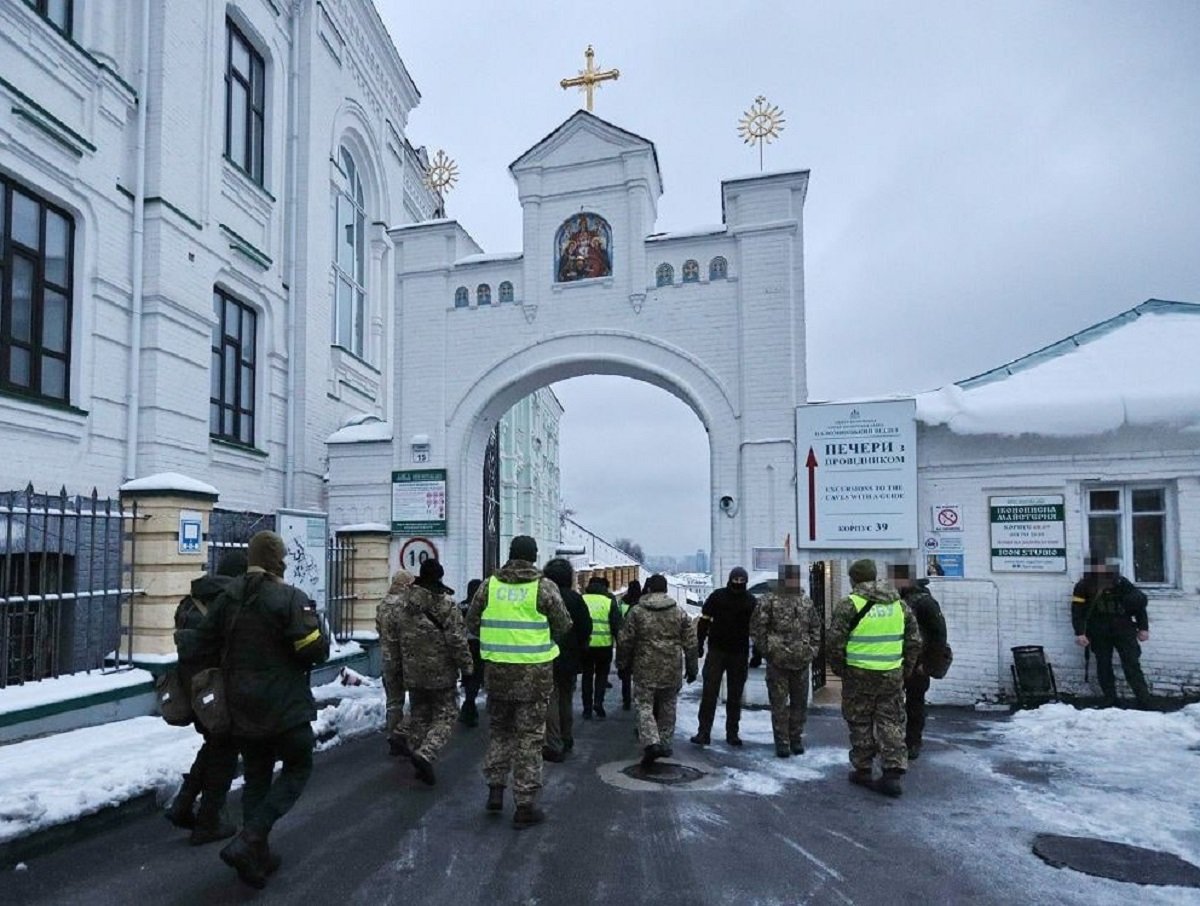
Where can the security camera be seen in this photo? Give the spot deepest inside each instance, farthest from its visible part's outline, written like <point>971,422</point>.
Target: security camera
<point>728,505</point>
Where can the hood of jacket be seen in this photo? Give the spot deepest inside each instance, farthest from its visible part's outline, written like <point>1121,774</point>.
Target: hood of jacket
<point>207,587</point>
<point>401,579</point>
<point>878,590</point>
<point>417,599</point>
<point>515,572</point>
<point>657,600</point>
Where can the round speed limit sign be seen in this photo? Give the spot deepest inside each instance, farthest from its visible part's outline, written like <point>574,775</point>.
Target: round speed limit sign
<point>416,551</point>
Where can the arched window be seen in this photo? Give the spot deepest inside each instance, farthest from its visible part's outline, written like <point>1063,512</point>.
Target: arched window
<point>583,248</point>
<point>664,276</point>
<point>462,298</point>
<point>691,271</point>
<point>718,268</point>
<point>483,294</point>
<point>350,260</point>
<point>506,292</point>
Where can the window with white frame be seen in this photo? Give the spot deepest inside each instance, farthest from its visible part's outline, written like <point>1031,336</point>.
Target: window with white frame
<point>1133,524</point>
<point>350,260</point>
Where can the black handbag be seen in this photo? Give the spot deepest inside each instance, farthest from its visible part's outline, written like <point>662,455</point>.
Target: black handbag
<point>173,701</point>
<point>210,702</point>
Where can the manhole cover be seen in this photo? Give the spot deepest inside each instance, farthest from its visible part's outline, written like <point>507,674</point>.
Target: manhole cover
<point>665,772</point>
<point>1118,861</point>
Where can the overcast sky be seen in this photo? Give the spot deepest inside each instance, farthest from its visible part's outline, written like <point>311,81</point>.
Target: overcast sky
<point>986,179</point>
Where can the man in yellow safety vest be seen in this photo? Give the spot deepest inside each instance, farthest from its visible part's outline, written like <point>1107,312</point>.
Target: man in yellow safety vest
<point>517,615</point>
<point>873,645</point>
<point>606,625</point>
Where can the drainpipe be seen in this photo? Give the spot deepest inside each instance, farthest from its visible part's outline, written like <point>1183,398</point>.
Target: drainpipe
<point>133,393</point>
<point>291,439</point>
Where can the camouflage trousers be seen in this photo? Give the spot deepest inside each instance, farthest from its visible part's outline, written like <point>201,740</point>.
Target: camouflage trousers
<point>515,746</point>
<point>393,687</point>
<point>873,706</point>
<point>655,711</point>
<point>431,714</point>
<point>787,691</point>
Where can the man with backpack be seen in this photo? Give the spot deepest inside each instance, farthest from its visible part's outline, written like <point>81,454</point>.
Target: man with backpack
<point>213,770</point>
<point>932,663</point>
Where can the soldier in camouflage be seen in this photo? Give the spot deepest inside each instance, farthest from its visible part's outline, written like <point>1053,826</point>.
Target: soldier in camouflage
<point>393,667</point>
<point>873,650</point>
<point>433,646</point>
<point>518,688</point>
<point>786,629</point>
<point>649,647</point>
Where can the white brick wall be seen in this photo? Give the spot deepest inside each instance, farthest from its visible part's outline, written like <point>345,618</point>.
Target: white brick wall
<point>1034,609</point>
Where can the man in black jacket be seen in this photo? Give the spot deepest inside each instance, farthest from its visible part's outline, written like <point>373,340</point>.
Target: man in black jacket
<point>725,624</point>
<point>1109,612</point>
<point>572,649</point>
<point>216,763</point>
<point>933,645</point>
<point>267,636</point>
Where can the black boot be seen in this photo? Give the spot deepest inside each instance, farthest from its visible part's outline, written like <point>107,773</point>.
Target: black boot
<point>468,715</point>
<point>527,816</point>
<point>600,715</point>
<point>914,751</point>
<point>209,826</point>
<point>549,754</point>
<point>180,813</point>
<point>733,739</point>
<point>247,854</point>
<point>797,747</point>
<point>889,783</point>
<point>495,800</point>
<point>423,768</point>
<point>398,747</point>
<point>651,754</point>
<point>861,777</point>
<point>701,738</point>
<point>783,751</point>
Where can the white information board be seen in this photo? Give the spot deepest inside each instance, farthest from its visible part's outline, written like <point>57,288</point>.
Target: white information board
<point>1029,534</point>
<point>857,475</point>
<point>305,536</point>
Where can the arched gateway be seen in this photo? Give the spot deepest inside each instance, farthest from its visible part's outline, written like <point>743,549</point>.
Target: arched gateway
<point>595,292</point>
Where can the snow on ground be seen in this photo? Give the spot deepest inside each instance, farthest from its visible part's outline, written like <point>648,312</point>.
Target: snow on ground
<point>59,778</point>
<point>65,688</point>
<point>1127,776</point>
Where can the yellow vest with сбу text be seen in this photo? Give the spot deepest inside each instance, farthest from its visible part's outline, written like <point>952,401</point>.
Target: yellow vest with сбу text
<point>511,629</point>
<point>877,642</point>
<point>599,607</point>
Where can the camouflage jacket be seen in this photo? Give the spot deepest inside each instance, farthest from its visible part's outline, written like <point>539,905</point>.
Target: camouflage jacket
<point>786,630</point>
<point>654,635</point>
<point>433,644</point>
<point>521,682</point>
<point>386,623</point>
<point>839,632</point>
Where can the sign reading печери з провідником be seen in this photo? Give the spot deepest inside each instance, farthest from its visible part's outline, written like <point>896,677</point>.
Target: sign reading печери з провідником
<point>419,502</point>
<point>1028,533</point>
<point>857,483</point>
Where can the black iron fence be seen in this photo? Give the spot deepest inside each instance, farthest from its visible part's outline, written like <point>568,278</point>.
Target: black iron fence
<point>230,530</point>
<point>64,581</point>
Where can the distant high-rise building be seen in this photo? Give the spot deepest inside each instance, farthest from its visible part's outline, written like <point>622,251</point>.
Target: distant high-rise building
<point>701,561</point>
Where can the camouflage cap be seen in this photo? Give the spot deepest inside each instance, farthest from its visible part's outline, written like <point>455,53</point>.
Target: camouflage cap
<point>862,571</point>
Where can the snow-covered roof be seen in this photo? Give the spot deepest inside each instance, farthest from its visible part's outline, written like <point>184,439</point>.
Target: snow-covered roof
<point>359,528</point>
<point>367,431</point>
<point>694,233</point>
<point>486,258</point>
<point>164,482</point>
<point>1136,369</point>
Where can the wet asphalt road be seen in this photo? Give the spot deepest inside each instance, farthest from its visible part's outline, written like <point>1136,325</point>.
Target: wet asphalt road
<point>366,832</point>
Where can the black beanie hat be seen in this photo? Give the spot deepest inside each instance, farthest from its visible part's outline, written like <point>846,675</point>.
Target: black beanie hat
<point>472,587</point>
<point>656,584</point>
<point>862,571</point>
<point>523,548</point>
<point>560,572</point>
<point>431,571</point>
<point>233,563</point>
<point>738,573</point>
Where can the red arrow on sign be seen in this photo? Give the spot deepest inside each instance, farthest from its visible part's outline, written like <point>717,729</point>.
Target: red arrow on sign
<point>811,465</point>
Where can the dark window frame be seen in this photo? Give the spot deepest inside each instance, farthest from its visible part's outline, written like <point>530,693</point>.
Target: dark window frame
<point>42,8</point>
<point>250,159</point>
<point>664,275</point>
<point>222,339</point>
<point>34,347</point>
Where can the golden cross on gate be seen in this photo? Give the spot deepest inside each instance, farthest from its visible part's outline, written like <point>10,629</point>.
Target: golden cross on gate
<point>590,77</point>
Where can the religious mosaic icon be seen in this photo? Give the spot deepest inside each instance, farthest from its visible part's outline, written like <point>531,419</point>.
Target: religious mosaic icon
<point>583,248</point>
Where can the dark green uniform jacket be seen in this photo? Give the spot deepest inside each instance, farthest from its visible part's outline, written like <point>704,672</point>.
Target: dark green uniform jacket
<point>188,617</point>
<point>274,638</point>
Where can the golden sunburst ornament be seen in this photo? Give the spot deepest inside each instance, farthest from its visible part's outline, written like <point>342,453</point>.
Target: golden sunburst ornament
<point>760,125</point>
<point>442,173</point>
